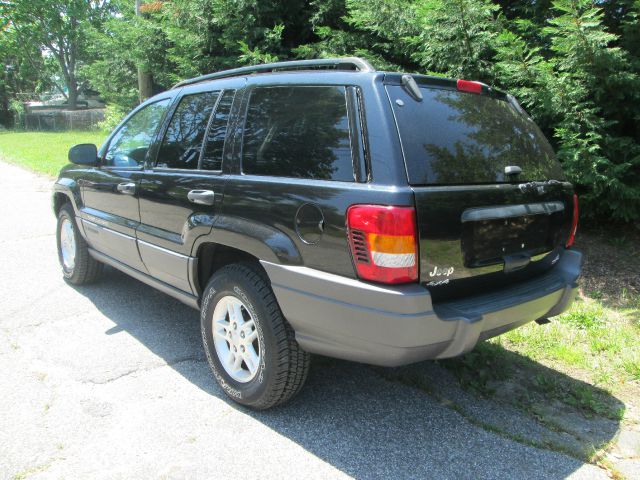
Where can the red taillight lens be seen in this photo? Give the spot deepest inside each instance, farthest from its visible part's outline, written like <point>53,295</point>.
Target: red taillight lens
<point>469,86</point>
<point>383,242</point>
<point>574,223</point>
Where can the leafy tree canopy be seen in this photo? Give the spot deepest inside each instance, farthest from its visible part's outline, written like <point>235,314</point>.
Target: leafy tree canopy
<point>573,64</point>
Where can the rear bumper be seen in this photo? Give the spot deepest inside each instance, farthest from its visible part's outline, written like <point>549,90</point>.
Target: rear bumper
<point>396,325</point>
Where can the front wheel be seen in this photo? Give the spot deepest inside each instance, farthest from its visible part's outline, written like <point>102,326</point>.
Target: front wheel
<point>250,347</point>
<point>78,267</point>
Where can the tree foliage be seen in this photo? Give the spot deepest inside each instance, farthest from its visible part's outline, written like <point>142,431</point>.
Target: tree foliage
<point>57,28</point>
<point>573,64</point>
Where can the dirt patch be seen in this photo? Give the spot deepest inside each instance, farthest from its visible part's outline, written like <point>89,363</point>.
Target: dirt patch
<point>611,269</point>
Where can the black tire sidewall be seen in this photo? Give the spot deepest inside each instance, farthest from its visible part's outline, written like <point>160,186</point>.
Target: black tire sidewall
<point>66,214</point>
<point>233,283</point>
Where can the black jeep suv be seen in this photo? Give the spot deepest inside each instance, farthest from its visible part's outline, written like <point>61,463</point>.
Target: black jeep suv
<point>325,207</point>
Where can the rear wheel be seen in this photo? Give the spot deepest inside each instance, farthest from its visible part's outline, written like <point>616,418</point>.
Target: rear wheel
<point>250,346</point>
<point>78,267</point>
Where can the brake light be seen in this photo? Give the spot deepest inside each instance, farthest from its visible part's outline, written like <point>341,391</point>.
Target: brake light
<point>383,241</point>
<point>574,223</point>
<point>469,86</point>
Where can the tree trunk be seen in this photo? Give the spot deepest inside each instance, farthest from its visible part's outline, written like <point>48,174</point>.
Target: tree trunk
<point>72,98</point>
<point>4,102</point>
<point>145,80</point>
<point>145,84</point>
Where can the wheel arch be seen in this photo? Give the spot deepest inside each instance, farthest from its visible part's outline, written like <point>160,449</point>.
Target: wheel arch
<point>59,199</point>
<point>234,240</point>
<point>65,190</point>
<point>211,257</point>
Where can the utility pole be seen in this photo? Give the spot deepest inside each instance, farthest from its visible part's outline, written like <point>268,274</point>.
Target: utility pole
<point>145,81</point>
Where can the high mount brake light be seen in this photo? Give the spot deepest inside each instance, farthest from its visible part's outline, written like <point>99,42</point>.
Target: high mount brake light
<point>469,86</point>
<point>383,241</point>
<point>574,223</point>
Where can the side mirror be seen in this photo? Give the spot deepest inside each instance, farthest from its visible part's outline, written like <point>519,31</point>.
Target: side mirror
<point>84,154</point>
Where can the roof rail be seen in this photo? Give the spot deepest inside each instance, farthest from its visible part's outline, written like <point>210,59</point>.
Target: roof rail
<point>346,63</point>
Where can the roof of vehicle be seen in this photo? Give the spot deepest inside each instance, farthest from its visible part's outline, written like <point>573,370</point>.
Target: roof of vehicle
<point>322,64</point>
<point>344,65</point>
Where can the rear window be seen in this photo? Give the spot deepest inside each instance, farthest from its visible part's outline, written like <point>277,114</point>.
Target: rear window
<point>300,131</point>
<point>454,137</point>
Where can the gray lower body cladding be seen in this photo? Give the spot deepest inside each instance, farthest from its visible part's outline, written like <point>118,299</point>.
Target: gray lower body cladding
<point>397,325</point>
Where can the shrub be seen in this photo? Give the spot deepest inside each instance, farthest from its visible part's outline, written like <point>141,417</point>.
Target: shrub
<point>113,115</point>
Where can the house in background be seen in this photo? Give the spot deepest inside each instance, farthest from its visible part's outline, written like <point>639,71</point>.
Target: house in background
<point>51,112</point>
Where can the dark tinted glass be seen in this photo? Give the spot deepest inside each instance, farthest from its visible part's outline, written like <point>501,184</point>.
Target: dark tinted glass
<point>128,147</point>
<point>455,137</point>
<point>183,140</point>
<point>212,159</point>
<point>298,132</point>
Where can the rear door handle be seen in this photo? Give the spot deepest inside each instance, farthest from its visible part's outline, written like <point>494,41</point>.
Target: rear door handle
<point>202,197</point>
<point>128,188</point>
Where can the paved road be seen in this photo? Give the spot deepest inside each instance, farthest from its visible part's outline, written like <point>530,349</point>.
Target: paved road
<point>110,381</point>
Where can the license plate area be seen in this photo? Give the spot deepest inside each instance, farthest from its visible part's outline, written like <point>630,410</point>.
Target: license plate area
<point>489,234</point>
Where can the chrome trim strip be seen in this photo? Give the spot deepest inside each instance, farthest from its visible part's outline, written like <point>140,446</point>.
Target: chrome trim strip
<point>165,250</point>
<point>509,211</point>
<point>176,293</point>
<point>101,227</point>
<point>129,237</point>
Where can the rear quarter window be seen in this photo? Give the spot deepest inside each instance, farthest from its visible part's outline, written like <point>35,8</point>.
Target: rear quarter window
<point>453,137</point>
<point>300,131</point>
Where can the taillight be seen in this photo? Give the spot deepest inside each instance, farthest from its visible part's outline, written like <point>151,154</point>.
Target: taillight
<point>574,223</point>
<point>383,242</point>
<point>469,86</point>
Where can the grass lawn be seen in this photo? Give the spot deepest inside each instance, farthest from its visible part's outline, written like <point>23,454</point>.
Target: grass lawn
<point>600,335</point>
<point>43,152</point>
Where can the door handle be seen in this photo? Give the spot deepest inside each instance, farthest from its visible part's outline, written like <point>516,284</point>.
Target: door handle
<point>202,197</point>
<point>128,188</point>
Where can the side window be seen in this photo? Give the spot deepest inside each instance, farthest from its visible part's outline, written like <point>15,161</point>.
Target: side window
<point>298,132</point>
<point>212,158</point>
<point>128,147</point>
<point>183,140</point>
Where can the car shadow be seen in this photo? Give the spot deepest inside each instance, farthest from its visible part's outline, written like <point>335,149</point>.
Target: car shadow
<point>368,422</point>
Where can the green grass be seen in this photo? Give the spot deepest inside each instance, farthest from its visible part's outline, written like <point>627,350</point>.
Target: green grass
<point>594,342</point>
<point>602,341</point>
<point>583,359</point>
<point>43,152</point>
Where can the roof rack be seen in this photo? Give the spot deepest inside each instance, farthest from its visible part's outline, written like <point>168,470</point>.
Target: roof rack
<point>346,63</point>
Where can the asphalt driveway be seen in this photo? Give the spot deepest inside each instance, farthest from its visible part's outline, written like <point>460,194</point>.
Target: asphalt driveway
<point>110,381</point>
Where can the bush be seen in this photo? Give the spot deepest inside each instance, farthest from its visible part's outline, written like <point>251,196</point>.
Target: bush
<point>113,115</point>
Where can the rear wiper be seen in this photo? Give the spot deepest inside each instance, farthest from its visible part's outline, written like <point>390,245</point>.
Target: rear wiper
<point>411,87</point>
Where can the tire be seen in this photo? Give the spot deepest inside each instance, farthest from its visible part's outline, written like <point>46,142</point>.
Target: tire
<point>283,366</point>
<point>82,268</point>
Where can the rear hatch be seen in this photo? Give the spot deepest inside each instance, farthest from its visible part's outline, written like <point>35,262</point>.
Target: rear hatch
<point>481,224</point>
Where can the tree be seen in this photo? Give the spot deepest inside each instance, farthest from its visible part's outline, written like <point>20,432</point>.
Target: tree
<point>22,72</point>
<point>454,38</point>
<point>145,79</point>
<point>574,64</point>
<point>596,95</point>
<point>57,28</point>
<point>124,45</point>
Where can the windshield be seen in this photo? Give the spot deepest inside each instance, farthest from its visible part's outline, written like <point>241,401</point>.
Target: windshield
<point>454,137</point>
